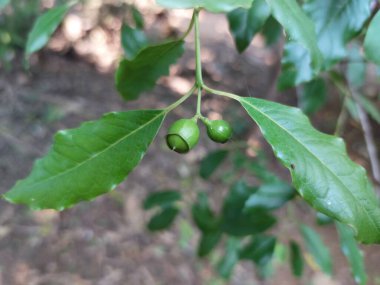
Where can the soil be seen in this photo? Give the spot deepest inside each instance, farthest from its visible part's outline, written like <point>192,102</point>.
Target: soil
<point>104,242</point>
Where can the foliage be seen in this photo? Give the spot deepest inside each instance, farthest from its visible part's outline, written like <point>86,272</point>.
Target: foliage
<point>93,159</point>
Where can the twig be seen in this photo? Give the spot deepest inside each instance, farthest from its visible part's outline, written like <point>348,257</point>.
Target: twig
<point>369,139</point>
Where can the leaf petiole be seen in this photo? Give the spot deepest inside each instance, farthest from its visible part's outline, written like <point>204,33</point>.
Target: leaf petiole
<point>181,100</point>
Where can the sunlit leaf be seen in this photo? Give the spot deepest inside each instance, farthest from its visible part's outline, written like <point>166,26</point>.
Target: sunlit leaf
<point>321,170</point>
<point>141,73</point>
<point>88,161</point>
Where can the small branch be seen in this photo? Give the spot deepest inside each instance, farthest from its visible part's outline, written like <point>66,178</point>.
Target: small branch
<point>369,139</point>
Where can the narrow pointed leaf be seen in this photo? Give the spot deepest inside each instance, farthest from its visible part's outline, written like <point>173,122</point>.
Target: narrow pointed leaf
<point>141,73</point>
<point>208,242</point>
<point>296,259</point>
<point>163,219</point>
<point>210,5</point>
<point>88,161</point>
<point>321,170</point>
<point>231,258</point>
<point>162,199</point>
<point>133,40</point>
<point>371,41</point>
<point>353,254</point>
<point>318,249</point>
<point>299,28</point>
<point>246,23</point>
<point>44,27</point>
<point>203,216</point>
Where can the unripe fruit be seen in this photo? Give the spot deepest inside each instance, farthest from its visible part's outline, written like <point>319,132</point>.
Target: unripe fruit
<point>183,135</point>
<point>219,131</point>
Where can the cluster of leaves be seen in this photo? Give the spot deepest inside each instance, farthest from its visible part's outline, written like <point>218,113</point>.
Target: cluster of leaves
<point>93,159</point>
<point>15,19</point>
<point>240,230</point>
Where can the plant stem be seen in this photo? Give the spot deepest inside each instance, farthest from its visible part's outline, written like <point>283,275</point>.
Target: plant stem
<point>341,119</point>
<point>199,102</point>
<point>199,78</point>
<point>191,25</point>
<point>221,93</point>
<point>181,100</point>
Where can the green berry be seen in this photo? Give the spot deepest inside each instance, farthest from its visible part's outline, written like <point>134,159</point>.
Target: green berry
<point>219,131</point>
<point>183,135</point>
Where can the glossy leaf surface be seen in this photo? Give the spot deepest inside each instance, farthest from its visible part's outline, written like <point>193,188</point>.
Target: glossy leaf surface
<point>44,27</point>
<point>88,161</point>
<point>210,5</point>
<point>353,254</point>
<point>321,170</point>
<point>141,73</point>
<point>246,23</point>
<point>371,41</point>
<point>318,249</point>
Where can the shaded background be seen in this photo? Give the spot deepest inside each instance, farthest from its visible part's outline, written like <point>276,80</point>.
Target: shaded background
<point>105,241</point>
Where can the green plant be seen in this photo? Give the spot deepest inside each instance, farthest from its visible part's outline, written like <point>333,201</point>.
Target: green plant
<point>322,173</point>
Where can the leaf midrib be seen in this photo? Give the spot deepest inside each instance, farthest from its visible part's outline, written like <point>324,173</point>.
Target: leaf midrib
<point>99,153</point>
<point>337,177</point>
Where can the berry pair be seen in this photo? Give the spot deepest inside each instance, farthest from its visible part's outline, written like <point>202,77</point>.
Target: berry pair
<point>183,135</point>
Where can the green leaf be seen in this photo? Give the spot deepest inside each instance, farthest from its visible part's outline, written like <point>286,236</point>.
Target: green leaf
<point>356,69</point>
<point>88,161</point>
<point>208,242</point>
<point>246,23</point>
<point>353,254</point>
<point>211,162</point>
<point>260,250</point>
<point>203,215</point>
<point>322,219</point>
<point>321,170</point>
<point>337,22</point>
<point>132,41</point>
<point>141,73</point>
<point>271,31</point>
<point>44,27</point>
<point>230,259</point>
<point>296,259</point>
<point>163,220</point>
<point>220,6</point>
<point>318,249</point>
<point>236,221</point>
<point>4,3</point>
<point>162,199</point>
<point>138,18</point>
<point>313,96</point>
<point>299,28</point>
<point>269,197</point>
<point>371,41</point>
